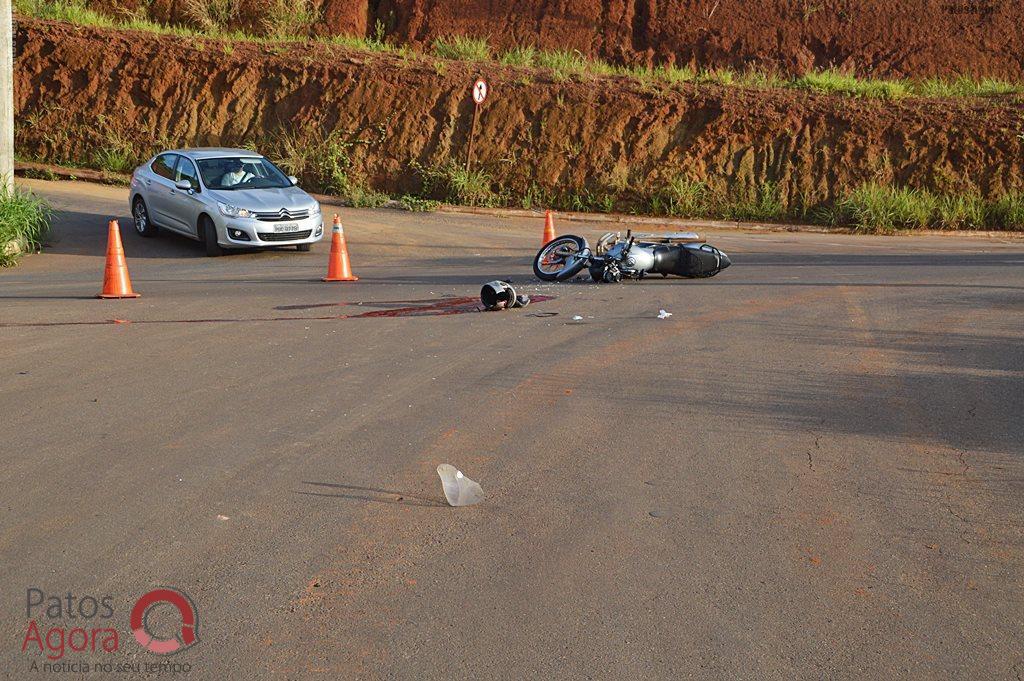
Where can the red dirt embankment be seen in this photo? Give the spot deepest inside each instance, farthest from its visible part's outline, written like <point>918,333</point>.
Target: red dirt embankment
<point>917,38</point>
<point>81,91</point>
<point>879,37</point>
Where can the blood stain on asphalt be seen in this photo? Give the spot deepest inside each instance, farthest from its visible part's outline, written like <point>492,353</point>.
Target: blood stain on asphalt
<point>402,308</point>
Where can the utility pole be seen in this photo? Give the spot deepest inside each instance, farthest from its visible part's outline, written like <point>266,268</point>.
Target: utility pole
<point>6,97</point>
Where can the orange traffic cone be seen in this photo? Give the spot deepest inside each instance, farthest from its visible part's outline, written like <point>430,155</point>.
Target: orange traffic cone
<point>549,229</point>
<point>338,267</point>
<point>116,283</point>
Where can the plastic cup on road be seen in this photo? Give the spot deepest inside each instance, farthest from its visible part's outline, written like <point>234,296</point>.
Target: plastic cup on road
<point>458,489</point>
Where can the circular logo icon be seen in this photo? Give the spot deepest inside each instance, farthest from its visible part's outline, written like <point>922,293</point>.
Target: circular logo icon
<point>189,621</point>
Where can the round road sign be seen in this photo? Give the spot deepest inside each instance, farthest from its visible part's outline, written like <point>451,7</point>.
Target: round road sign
<point>480,91</point>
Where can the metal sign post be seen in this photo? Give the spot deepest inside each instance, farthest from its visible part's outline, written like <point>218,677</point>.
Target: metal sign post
<point>480,90</point>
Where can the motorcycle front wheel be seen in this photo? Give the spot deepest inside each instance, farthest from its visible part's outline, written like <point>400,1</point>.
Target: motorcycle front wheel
<point>561,259</point>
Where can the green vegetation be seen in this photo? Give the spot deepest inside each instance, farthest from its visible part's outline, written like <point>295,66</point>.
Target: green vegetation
<point>453,183</point>
<point>375,43</point>
<point>76,12</point>
<point>417,204</point>
<point>323,162</point>
<point>682,198</point>
<point>362,196</point>
<point>468,187</point>
<point>877,208</point>
<point>564,64</point>
<point>962,211</point>
<point>519,56</point>
<point>590,200</point>
<point>757,79</point>
<point>285,18</point>
<point>836,82</point>
<point>536,197</point>
<point>289,21</point>
<point>674,75</point>
<point>73,11</point>
<point>462,48</point>
<point>758,204</point>
<point>1007,212</point>
<point>41,174</point>
<point>870,207</point>
<point>114,159</point>
<point>24,222</point>
<point>965,87</point>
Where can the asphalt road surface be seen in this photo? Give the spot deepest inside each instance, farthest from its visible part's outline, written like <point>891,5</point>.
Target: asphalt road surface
<point>813,469</point>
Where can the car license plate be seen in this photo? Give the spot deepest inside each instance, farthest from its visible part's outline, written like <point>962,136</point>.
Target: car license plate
<point>286,227</point>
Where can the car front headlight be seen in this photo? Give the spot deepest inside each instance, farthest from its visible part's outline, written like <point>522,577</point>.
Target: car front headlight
<point>316,209</point>
<point>233,211</point>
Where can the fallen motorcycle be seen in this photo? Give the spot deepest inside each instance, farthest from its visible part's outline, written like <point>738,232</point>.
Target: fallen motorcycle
<point>634,257</point>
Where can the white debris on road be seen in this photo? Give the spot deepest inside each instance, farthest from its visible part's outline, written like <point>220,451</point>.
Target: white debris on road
<point>458,489</point>
<point>664,315</point>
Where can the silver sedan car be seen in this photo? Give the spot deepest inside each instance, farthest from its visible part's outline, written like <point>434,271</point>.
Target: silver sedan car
<point>225,198</point>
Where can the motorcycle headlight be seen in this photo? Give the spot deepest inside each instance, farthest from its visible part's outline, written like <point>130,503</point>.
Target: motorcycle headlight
<point>233,211</point>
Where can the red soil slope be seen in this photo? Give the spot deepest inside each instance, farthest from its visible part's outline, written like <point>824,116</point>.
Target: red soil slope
<point>872,37</point>
<point>82,90</point>
<point>884,37</point>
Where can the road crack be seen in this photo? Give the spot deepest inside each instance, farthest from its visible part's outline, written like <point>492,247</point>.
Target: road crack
<point>817,446</point>
<point>957,515</point>
<point>961,457</point>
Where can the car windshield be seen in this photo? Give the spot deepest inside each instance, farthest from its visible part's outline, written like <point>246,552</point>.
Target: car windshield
<point>241,173</point>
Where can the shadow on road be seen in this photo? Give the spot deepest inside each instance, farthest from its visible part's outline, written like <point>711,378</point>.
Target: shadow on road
<point>375,494</point>
<point>80,233</point>
<point>955,389</point>
<point>894,261</point>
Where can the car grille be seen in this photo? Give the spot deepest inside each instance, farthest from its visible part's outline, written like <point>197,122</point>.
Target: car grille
<point>283,215</point>
<point>284,236</point>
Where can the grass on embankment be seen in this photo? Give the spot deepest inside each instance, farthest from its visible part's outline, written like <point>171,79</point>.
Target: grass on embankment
<point>24,222</point>
<point>292,22</point>
<point>870,208</point>
<point>877,208</point>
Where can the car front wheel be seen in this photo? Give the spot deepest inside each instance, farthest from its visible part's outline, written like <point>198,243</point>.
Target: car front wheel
<point>304,248</point>
<point>213,249</point>
<point>140,214</point>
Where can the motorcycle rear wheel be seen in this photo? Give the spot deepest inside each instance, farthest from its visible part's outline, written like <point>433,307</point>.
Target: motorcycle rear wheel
<point>561,259</point>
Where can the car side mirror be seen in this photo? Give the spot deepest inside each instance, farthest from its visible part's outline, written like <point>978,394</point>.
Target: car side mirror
<point>183,185</point>
<point>294,180</point>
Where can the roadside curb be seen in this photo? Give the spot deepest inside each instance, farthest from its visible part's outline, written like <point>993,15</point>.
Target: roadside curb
<point>88,175</point>
<point>66,173</point>
<point>622,218</point>
<point>725,225</point>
